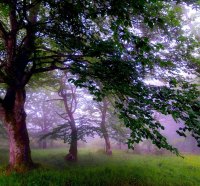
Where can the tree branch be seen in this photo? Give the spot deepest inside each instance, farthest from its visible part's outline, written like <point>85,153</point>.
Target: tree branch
<point>59,55</point>
<point>63,117</point>
<point>50,50</point>
<point>47,69</point>
<point>74,99</point>
<point>54,100</point>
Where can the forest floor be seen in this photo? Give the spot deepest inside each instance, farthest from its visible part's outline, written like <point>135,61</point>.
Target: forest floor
<point>97,169</point>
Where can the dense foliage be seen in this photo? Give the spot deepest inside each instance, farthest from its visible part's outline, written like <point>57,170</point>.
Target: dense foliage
<point>117,43</point>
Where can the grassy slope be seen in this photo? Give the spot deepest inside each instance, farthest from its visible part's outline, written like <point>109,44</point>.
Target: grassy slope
<point>96,169</point>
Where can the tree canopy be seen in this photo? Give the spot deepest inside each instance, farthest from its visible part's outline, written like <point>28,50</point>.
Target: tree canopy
<point>117,43</point>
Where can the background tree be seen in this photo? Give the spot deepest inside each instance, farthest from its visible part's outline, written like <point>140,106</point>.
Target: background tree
<point>119,132</point>
<point>103,107</point>
<point>77,123</point>
<point>68,94</point>
<point>42,114</point>
<point>98,112</point>
<point>38,36</point>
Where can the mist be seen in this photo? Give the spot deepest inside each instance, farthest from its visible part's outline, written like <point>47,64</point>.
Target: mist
<point>46,113</point>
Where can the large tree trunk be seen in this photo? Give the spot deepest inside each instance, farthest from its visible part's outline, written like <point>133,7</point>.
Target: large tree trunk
<point>106,138</point>
<point>15,123</point>
<point>108,146</point>
<point>73,150</point>
<point>16,74</point>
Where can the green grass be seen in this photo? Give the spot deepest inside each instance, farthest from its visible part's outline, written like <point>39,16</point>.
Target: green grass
<point>96,169</point>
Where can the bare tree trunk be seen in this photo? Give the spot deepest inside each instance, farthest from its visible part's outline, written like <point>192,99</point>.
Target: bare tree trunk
<point>106,138</point>
<point>120,145</point>
<point>44,144</point>
<point>108,146</point>
<point>104,129</point>
<point>73,150</point>
<point>70,107</point>
<point>15,123</point>
<point>51,143</point>
<point>39,144</point>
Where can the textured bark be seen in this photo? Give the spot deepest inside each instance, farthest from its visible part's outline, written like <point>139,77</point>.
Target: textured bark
<point>15,123</point>
<point>16,76</point>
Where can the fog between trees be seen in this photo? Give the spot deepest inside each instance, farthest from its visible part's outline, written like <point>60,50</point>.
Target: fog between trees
<point>108,48</point>
<point>49,128</point>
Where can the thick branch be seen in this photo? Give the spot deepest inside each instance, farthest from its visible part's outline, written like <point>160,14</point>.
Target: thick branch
<point>50,50</point>
<point>73,106</point>
<point>63,117</point>
<point>58,55</point>
<point>54,100</point>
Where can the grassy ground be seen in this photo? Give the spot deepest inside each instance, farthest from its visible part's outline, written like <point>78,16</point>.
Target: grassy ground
<point>96,169</point>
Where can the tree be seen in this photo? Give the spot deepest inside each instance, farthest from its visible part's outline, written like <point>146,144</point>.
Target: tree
<point>69,98</point>
<point>104,109</point>
<point>76,125</point>
<point>98,112</point>
<point>119,132</point>
<point>42,117</point>
<point>36,37</point>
